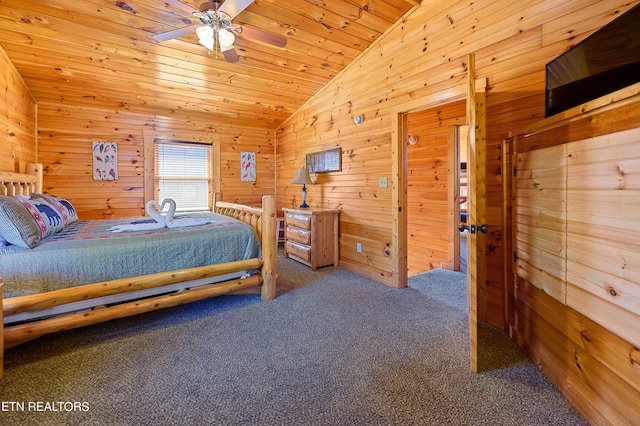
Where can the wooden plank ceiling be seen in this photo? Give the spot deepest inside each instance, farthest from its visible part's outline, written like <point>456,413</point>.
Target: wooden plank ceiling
<point>100,53</point>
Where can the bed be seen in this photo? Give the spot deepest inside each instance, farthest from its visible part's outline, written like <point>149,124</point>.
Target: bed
<point>65,295</point>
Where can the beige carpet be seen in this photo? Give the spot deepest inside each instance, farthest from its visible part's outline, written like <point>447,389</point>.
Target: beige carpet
<point>333,348</point>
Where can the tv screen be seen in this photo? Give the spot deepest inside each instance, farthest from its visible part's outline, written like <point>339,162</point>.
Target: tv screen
<point>606,61</point>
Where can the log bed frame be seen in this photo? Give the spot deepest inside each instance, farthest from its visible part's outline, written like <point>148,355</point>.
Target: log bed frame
<point>196,282</point>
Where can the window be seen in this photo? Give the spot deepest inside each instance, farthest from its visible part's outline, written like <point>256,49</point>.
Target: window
<point>183,171</point>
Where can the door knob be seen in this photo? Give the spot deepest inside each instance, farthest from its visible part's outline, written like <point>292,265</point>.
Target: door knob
<point>482,228</point>
<point>473,228</point>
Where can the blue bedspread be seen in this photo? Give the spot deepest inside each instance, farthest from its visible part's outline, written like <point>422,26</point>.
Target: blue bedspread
<point>87,252</point>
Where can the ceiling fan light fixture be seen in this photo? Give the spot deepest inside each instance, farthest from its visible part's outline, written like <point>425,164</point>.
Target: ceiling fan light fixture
<point>226,39</point>
<point>217,32</point>
<point>204,32</point>
<point>209,43</point>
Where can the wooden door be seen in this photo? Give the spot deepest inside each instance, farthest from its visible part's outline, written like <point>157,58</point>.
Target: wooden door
<point>476,266</point>
<point>475,93</point>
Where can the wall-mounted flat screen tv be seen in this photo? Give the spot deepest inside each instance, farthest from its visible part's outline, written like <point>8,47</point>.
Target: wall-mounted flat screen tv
<point>606,61</point>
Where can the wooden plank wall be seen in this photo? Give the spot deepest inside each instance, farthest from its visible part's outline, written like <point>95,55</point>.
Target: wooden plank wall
<point>65,139</point>
<point>415,66</point>
<point>17,119</point>
<point>576,232</point>
<point>540,219</point>
<point>366,208</point>
<point>429,186</point>
<point>603,230</point>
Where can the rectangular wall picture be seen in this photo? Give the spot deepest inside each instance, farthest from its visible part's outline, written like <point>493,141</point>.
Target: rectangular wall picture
<point>248,166</point>
<point>325,161</point>
<point>105,161</point>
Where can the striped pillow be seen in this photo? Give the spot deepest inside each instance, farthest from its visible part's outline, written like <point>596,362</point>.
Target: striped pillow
<point>25,221</point>
<point>17,226</point>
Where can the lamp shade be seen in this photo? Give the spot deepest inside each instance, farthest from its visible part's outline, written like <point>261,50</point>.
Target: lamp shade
<point>226,39</point>
<point>302,178</point>
<point>205,36</point>
<point>204,32</point>
<point>208,43</point>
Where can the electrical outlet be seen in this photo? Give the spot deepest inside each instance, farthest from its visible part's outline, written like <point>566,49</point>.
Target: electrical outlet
<point>359,247</point>
<point>382,182</point>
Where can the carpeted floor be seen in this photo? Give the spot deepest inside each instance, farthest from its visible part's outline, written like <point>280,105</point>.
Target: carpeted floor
<point>333,349</point>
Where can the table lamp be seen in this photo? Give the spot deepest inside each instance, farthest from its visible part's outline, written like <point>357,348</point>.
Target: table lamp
<point>303,178</point>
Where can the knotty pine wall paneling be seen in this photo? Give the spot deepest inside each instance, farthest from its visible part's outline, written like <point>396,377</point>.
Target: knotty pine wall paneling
<point>540,209</point>
<point>17,119</point>
<point>575,234</point>
<point>67,132</point>
<point>416,65</point>
<point>365,207</point>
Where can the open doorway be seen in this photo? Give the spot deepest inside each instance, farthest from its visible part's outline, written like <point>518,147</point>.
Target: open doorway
<point>460,140</point>
<point>437,138</point>
<point>475,92</point>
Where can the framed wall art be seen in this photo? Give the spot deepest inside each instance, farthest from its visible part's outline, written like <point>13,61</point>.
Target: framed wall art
<point>325,161</point>
<point>105,161</point>
<point>248,166</point>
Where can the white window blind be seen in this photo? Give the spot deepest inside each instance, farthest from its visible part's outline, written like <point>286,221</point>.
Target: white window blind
<point>183,171</point>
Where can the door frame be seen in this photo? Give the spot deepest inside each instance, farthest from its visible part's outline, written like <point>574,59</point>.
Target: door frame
<point>475,92</point>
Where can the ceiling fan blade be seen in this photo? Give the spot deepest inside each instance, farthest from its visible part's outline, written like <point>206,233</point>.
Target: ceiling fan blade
<point>180,32</point>
<point>230,55</point>
<point>263,36</point>
<point>234,7</point>
<point>179,5</point>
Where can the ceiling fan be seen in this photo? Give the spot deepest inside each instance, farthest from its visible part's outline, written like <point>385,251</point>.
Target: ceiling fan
<point>218,31</point>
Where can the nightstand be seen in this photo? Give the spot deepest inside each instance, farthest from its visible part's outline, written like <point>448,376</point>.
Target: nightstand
<point>311,236</point>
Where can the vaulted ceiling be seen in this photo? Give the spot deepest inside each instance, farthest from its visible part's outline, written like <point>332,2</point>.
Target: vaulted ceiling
<point>101,53</point>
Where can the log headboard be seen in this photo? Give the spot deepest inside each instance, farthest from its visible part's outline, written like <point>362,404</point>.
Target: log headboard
<point>12,183</point>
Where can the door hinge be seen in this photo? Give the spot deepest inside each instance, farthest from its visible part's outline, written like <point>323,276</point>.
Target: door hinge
<point>515,256</point>
<point>515,170</point>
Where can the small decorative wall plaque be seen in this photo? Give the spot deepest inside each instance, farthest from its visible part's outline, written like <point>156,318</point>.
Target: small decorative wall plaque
<point>248,166</point>
<point>105,161</point>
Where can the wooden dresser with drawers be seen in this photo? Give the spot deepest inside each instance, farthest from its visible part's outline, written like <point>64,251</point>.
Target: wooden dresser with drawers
<point>311,236</point>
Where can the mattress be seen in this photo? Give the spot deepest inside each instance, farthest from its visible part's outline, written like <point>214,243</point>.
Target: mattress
<point>89,251</point>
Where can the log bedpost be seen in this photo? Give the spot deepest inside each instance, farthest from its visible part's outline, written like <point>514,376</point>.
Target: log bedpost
<point>37,170</point>
<point>217,196</point>
<point>269,247</point>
